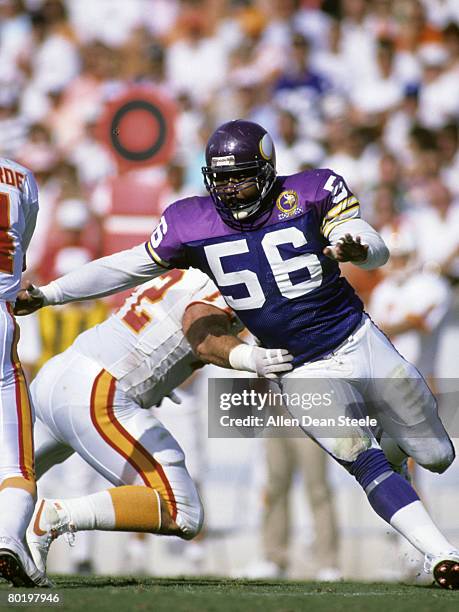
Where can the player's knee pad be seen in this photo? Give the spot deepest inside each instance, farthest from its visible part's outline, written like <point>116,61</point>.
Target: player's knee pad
<point>190,517</point>
<point>437,455</point>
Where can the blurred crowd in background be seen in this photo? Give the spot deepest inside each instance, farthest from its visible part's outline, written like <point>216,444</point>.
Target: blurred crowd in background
<point>367,88</point>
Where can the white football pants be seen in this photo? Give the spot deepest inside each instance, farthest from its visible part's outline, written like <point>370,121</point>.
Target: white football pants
<point>16,416</point>
<point>366,376</point>
<point>84,412</point>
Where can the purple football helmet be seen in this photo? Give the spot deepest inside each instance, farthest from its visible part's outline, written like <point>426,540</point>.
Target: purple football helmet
<point>240,172</point>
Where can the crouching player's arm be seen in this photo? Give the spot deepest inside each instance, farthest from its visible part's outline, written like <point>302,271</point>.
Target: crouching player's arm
<point>210,332</point>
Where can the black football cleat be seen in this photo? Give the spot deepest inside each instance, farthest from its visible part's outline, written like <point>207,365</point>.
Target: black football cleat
<point>17,566</point>
<point>446,574</point>
<point>11,569</point>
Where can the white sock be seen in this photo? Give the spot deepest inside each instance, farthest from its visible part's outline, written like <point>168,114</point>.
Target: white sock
<point>16,509</point>
<point>91,512</point>
<point>415,524</point>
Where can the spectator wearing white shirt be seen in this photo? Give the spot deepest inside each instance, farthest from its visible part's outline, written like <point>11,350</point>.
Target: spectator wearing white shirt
<point>357,40</point>
<point>54,57</point>
<point>293,152</point>
<point>197,62</point>
<point>398,126</point>
<point>382,91</point>
<point>281,22</point>
<point>331,63</point>
<point>13,125</point>
<point>436,228</point>
<point>107,21</point>
<point>410,304</point>
<point>439,91</point>
<point>440,12</point>
<point>353,159</point>
<point>15,27</point>
<point>423,166</point>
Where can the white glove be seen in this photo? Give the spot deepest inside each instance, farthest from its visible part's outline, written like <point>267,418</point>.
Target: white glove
<point>264,362</point>
<point>37,293</point>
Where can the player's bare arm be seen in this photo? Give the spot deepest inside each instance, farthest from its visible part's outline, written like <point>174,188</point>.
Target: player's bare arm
<point>208,330</point>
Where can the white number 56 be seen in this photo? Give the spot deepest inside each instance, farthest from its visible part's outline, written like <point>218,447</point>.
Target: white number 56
<point>280,268</point>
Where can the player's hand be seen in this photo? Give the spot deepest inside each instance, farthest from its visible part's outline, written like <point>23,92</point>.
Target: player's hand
<point>269,362</point>
<point>29,299</point>
<point>264,362</point>
<point>347,249</point>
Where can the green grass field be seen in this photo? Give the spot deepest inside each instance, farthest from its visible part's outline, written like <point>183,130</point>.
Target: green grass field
<point>210,594</point>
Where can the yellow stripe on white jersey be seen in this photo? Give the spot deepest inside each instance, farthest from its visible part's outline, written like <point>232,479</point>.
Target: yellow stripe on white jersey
<point>348,209</point>
<point>351,213</point>
<point>343,205</point>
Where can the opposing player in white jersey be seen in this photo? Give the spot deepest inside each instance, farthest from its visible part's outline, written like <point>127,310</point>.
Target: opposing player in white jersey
<point>18,213</point>
<point>91,397</point>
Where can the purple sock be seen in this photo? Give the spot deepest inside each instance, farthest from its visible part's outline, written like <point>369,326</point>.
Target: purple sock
<point>387,491</point>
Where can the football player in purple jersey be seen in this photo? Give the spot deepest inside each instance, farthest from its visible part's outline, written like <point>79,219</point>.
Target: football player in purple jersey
<point>272,244</point>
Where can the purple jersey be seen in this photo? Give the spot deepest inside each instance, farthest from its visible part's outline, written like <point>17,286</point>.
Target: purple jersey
<point>286,292</point>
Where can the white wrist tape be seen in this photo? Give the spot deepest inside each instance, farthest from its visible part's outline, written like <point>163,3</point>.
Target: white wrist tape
<point>49,294</point>
<point>241,358</point>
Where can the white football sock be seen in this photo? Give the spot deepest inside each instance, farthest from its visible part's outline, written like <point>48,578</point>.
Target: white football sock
<point>16,509</point>
<point>415,524</point>
<point>90,512</point>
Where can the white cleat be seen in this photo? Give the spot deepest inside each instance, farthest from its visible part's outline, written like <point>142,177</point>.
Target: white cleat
<point>445,569</point>
<point>49,521</point>
<point>17,567</point>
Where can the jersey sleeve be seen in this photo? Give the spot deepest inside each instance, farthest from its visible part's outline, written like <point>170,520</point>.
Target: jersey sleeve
<point>337,203</point>
<point>30,207</point>
<point>103,277</point>
<point>165,246</point>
